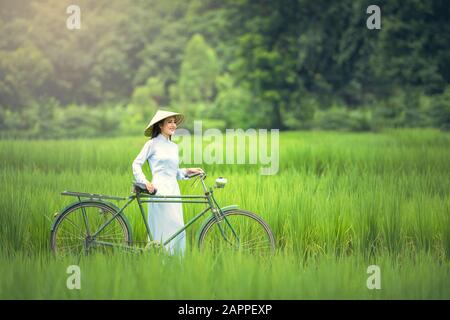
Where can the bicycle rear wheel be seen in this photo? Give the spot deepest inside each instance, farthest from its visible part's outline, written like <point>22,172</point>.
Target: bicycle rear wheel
<point>74,229</point>
<point>238,230</point>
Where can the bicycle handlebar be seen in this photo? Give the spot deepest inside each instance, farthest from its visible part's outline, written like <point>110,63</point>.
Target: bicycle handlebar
<point>203,174</point>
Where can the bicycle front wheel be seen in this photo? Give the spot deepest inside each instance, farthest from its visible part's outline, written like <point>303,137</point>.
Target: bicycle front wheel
<point>74,230</point>
<point>237,230</point>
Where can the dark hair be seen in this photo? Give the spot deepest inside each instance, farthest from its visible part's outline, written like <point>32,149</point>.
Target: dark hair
<point>157,130</point>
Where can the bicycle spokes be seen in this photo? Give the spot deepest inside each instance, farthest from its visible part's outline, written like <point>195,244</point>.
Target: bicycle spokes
<point>238,231</point>
<point>74,233</point>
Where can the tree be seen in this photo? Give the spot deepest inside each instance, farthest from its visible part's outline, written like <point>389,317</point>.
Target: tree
<point>198,72</point>
<point>265,58</point>
<point>23,74</point>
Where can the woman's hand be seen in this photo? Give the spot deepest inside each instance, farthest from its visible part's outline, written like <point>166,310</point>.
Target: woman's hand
<point>150,187</point>
<point>194,170</point>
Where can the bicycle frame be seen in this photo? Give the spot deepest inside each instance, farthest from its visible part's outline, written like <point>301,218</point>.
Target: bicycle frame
<point>141,198</point>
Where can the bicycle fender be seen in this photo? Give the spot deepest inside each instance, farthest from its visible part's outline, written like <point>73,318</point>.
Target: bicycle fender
<point>107,203</point>
<point>230,207</point>
<point>224,209</point>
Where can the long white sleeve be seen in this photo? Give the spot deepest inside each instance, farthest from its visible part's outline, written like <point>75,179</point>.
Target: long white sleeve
<point>145,153</point>
<point>181,172</point>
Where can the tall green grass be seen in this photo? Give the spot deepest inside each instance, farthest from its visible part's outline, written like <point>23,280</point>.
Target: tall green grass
<point>340,202</point>
<point>200,276</point>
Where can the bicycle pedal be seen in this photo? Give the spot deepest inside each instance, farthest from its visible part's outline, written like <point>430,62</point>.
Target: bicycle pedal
<point>153,245</point>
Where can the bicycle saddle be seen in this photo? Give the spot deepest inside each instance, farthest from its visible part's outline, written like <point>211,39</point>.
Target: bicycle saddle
<point>141,188</point>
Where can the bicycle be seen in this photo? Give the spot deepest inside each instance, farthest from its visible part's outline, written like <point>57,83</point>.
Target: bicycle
<point>95,224</point>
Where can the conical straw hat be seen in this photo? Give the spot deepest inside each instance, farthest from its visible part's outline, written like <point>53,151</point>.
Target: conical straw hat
<point>160,115</point>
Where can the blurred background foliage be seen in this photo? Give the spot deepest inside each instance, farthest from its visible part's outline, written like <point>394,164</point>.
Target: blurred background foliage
<point>286,64</point>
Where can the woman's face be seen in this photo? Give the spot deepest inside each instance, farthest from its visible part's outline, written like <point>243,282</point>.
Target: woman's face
<point>169,126</point>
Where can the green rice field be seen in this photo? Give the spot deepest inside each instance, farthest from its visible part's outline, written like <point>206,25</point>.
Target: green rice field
<point>339,203</point>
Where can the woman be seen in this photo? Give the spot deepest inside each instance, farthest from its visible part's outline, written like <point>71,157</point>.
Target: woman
<point>164,219</point>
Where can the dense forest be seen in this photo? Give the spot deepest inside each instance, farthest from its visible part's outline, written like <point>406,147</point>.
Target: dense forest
<point>286,64</point>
